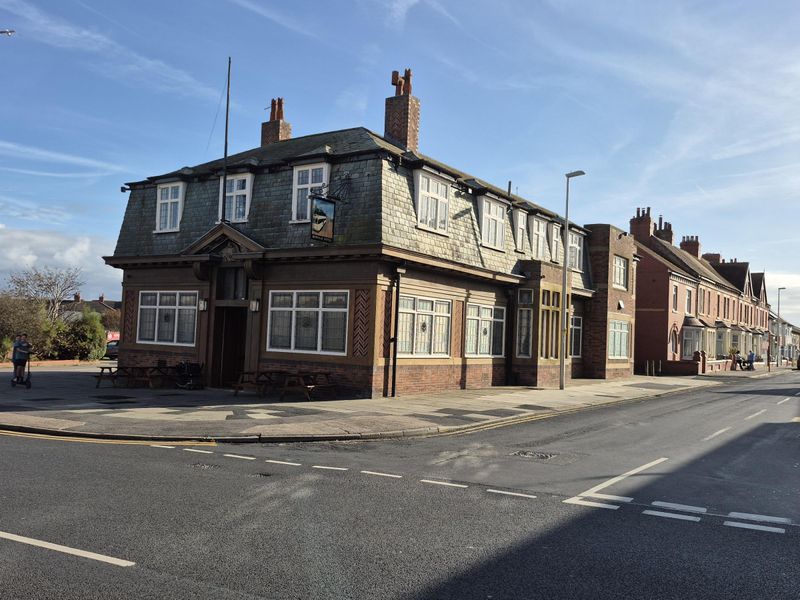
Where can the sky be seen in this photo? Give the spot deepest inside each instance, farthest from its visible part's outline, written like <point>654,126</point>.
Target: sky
<point>689,107</point>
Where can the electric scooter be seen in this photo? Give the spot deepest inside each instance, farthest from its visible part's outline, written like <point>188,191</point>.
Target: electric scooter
<point>26,381</point>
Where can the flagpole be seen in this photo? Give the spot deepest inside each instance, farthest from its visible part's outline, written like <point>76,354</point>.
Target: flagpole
<point>225,156</point>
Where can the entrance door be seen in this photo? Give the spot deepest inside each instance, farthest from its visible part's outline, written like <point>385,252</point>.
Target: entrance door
<point>230,324</point>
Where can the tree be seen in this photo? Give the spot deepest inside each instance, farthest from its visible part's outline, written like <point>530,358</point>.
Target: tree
<point>111,320</point>
<point>48,285</point>
<point>18,315</point>
<point>83,338</point>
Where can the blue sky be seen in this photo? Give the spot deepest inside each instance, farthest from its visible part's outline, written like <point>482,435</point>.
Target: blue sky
<point>687,107</point>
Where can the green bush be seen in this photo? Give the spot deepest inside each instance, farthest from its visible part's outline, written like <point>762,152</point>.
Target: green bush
<point>83,339</point>
<point>6,344</point>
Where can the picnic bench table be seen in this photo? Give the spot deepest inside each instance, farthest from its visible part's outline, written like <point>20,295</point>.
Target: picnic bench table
<point>284,380</point>
<point>139,375</point>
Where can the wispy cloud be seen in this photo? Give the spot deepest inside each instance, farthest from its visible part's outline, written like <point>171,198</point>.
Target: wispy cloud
<point>112,60</point>
<point>19,209</point>
<point>275,16</point>
<point>20,151</point>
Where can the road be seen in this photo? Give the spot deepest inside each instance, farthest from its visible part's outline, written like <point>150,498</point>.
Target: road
<point>684,496</point>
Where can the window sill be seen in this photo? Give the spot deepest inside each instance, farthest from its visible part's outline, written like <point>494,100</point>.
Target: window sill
<point>495,248</point>
<point>423,356</point>
<point>232,221</point>
<point>619,287</point>
<point>432,230</point>
<point>166,231</point>
<point>312,352</point>
<point>165,343</point>
<point>299,221</point>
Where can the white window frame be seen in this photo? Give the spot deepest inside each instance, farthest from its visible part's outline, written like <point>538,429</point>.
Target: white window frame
<point>167,205</point>
<point>556,243</point>
<point>520,229</point>
<point>575,241</point>
<point>538,237</point>
<point>691,341</point>
<point>689,301</point>
<point>248,178</point>
<point>576,325</point>
<point>481,319</point>
<point>416,313</point>
<point>493,221</point>
<point>674,297</point>
<point>158,307</point>
<point>620,273</point>
<point>432,191</point>
<point>619,333</point>
<point>526,352</point>
<point>309,186</point>
<point>294,309</point>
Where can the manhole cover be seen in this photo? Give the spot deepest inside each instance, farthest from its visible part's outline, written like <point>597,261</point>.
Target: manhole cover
<point>534,455</point>
<point>204,466</point>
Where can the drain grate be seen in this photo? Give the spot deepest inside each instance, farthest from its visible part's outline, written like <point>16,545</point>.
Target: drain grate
<point>534,455</point>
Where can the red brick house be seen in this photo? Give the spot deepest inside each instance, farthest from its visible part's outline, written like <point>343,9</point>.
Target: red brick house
<point>693,311</point>
<point>434,279</point>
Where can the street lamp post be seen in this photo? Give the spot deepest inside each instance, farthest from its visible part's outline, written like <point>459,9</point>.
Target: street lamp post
<point>564,306</point>
<point>778,352</point>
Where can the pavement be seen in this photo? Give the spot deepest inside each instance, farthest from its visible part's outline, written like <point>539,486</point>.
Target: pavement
<point>63,400</point>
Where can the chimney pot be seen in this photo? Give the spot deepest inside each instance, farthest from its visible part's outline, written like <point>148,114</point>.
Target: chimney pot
<point>401,121</point>
<point>276,129</point>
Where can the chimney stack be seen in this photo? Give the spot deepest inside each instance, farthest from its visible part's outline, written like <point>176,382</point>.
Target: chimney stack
<point>691,244</point>
<point>276,129</point>
<point>77,297</point>
<point>664,231</point>
<point>641,226</point>
<point>401,121</point>
<point>102,298</point>
<point>713,258</point>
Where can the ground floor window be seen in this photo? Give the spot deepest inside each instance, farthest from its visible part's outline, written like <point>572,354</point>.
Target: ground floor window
<point>313,322</point>
<point>485,331</point>
<point>167,318</point>
<point>691,342</point>
<point>423,328</point>
<point>722,351</point>
<point>618,339</point>
<point>524,330</point>
<point>575,336</point>
<point>549,324</point>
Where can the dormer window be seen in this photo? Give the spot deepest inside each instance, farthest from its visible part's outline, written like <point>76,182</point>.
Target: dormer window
<point>169,206</point>
<point>307,180</point>
<point>433,201</point>
<point>238,192</point>
<point>556,244</point>
<point>493,223</point>
<point>538,237</point>
<point>575,251</point>
<point>520,228</point>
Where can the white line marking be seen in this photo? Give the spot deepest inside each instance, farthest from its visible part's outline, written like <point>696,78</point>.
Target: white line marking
<point>683,507</point>
<point>715,434</point>
<point>762,411</point>
<point>797,393</point>
<point>784,400</point>
<point>67,550</point>
<point>382,474</point>
<point>658,513</point>
<point>159,446</point>
<point>762,518</point>
<point>283,462</point>
<point>581,502</point>
<point>505,493</point>
<point>198,451</point>
<point>458,485</point>
<point>610,497</point>
<point>756,527</point>
<point>329,468</point>
<point>240,456</point>
<point>619,478</point>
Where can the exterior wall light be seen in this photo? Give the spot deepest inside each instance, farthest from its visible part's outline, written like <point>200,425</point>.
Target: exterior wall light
<point>255,305</point>
<point>202,305</point>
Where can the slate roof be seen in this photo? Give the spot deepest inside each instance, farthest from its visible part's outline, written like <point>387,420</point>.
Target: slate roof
<point>757,282</point>
<point>699,267</point>
<point>735,272</point>
<point>642,249</point>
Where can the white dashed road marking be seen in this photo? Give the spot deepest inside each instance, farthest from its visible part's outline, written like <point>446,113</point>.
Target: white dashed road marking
<point>784,400</point>
<point>762,411</point>
<point>283,462</point>
<point>762,518</point>
<point>198,451</point>
<point>382,474</point>
<point>447,483</point>
<point>240,456</point>
<point>67,550</point>
<point>716,433</point>
<point>682,507</point>
<point>329,468</point>
<point>753,526</point>
<point>510,493</point>
<point>160,446</point>
<point>658,513</point>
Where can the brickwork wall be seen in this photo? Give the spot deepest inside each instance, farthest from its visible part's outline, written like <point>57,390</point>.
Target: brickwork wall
<point>420,378</point>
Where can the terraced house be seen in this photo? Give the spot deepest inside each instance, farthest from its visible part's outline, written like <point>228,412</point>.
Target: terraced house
<point>426,277</point>
<point>694,310</point>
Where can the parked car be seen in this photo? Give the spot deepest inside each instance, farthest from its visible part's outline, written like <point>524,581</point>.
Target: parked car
<point>112,349</point>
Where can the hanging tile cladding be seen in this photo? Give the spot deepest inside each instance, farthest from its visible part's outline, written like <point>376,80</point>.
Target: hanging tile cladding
<point>357,217</point>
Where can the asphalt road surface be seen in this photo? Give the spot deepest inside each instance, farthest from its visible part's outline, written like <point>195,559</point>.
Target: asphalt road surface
<point>684,496</point>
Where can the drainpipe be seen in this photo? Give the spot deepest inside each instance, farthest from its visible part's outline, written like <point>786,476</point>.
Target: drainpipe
<point>511,321</point>
<point>399,271</point>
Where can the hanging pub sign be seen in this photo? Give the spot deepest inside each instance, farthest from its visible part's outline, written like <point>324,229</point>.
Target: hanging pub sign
<point>323,212</point>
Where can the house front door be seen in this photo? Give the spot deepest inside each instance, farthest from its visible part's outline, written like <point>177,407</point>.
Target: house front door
<point>229,344</point>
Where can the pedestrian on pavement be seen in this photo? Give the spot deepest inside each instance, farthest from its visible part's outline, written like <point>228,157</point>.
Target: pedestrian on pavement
<point>737,361</point>
<point>751,358</point>
<point>21,351</point>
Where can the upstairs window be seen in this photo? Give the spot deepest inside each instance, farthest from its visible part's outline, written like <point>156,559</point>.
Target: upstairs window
<point>538,238</point>
<point>556,243</point>
<point>433,202</point>
<point>620,274</point>
<point>493,223</point>
<point>238,192</point>
<point>688,302</point>
<point>307,180</point>
<point>675,298</point>
<point>520,228</point>
<point>169,206</point>
<point>575,251</point>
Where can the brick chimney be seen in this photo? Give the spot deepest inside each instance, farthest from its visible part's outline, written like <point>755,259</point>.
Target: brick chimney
<point>276,129</point>
<point>76,297</point>
<point>401,123</point>
<point>642,225</point>
<point>102,298</point>
<point>691,244</point>
<point>714,259</point>
<point>664,230</point>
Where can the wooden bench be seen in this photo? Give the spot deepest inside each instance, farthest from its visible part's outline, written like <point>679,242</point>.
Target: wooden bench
<point>305,382</point>
<point>107,373</point>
